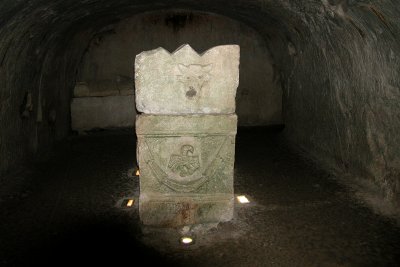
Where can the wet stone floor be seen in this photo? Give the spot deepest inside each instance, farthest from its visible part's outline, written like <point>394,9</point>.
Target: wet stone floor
<point>70,210</point>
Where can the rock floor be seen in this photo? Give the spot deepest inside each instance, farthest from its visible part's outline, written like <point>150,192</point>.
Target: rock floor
<point>69,210</point>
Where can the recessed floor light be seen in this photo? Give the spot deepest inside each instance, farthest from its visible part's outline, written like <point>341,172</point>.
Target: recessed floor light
<point>130,203</point>
<point>186,240</point>
<point>243,199</point>
<point>137,173</point>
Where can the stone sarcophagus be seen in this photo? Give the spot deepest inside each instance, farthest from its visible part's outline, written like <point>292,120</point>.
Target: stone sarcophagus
<point>186,134</point>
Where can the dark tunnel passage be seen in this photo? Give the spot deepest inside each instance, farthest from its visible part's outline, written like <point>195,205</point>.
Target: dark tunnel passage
<point>325,190</point>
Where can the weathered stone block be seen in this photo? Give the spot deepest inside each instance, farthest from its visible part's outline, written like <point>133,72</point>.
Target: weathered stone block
<point>186,168</point>
<point>185,82</point>
<point>102,112</point>
<point>81,89</point>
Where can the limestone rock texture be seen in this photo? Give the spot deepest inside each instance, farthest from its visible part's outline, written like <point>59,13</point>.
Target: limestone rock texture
<point>185,82</point>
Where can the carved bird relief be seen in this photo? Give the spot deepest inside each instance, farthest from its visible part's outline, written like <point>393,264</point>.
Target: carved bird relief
<point>184,164</point>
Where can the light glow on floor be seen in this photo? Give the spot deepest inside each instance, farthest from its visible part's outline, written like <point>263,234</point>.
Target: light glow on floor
<point>186,240</point>
<point>137,173</point>
<point>243,199</point>
<point>130,203</point>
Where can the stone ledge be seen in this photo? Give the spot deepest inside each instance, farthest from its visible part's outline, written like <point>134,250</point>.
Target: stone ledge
<point>186,124</point>
<point>173,211</point>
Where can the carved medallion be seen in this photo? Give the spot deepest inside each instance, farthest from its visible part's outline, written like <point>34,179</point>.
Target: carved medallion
<point>185,169</point>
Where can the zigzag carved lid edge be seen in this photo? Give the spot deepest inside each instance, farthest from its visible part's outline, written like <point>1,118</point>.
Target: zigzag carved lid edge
<point>183,48</point>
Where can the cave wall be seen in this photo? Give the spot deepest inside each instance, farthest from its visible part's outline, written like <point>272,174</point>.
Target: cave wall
<point>107,67</point>
<point>347,116</point>
<point>36,75</point>
<point>338,62</point>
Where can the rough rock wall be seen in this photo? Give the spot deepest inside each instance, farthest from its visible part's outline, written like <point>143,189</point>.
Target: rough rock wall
<point>348,114</point>
<point>338,61</point>
<point>36,74</point>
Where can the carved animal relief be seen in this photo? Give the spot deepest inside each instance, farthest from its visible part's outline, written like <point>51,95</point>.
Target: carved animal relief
<point>194,77</point>
<point>186,82</point>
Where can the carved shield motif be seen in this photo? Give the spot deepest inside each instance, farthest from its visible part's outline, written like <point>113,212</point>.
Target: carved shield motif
<point>185,163</point>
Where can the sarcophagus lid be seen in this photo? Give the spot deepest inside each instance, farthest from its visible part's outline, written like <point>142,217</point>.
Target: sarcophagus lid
<point>185,82</point>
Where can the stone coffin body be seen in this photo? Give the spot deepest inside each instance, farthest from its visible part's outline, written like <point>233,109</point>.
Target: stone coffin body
<point>186,168</point>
